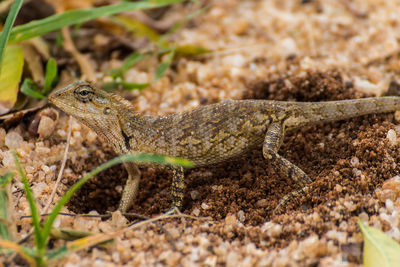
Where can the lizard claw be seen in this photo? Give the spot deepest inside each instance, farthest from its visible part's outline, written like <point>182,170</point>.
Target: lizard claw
<point>283,201</point>
<point>175,211</point>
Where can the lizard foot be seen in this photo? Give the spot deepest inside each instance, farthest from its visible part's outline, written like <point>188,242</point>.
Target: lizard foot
<point>173,211</point>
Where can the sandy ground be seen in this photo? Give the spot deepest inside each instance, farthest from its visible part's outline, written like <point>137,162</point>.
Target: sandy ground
<point>282,50</point>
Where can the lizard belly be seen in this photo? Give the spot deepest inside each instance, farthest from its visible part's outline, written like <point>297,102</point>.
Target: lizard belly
<point>212,149</point>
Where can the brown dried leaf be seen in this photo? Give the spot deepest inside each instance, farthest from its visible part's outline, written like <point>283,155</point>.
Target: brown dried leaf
<point>33,61</point>
<point>13,118</point>
<point>41,46</point>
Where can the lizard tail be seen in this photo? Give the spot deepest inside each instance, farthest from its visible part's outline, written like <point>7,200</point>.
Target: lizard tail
<point>316,112</point>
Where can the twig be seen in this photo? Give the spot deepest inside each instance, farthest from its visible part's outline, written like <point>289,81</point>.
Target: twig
<point>63,162</point>
<point>82,61</point>
<point>158,218</point>
<point>106,216</point>
<point>102,216</point>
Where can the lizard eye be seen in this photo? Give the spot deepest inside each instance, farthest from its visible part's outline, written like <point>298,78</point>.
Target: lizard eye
<point>106,110</point>
<point>84,94</point>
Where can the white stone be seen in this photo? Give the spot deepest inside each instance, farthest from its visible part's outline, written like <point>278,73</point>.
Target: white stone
<point>13,140</point>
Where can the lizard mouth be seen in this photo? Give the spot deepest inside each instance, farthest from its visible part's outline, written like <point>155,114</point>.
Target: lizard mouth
<point>53,98</point>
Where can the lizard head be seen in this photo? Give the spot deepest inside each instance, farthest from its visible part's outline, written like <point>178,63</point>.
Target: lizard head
<point>95,108</point>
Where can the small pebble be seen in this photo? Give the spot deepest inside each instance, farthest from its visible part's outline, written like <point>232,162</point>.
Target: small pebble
<point>196,212</point>
<point>230,219</point>
<point>13,140</point>
<point>204,206</point>
<point>338,188</point>
<point>194,194</point>
<point>262,203</point>
<point>397,115</point>
<point>45,168</point>
<point>91,136</point>
<point>2,136</point>
<point>46,127</point>
<point>392,136</point>
<point>241,216</point>
<point>354,161</point>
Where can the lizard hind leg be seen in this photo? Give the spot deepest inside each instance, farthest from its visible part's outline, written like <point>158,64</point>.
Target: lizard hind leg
<point>177,188</point>
<point>272,142</point>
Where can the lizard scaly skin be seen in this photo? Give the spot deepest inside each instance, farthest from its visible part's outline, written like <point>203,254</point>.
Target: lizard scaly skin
<point>206,135</point>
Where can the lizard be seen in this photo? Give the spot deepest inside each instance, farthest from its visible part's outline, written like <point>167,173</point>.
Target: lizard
<point>206,135</point>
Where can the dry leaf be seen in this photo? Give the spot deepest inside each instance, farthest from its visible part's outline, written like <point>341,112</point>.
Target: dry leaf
<point>34,63</point>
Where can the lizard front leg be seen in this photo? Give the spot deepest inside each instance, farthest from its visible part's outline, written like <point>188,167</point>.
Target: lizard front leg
<point>131,188</point>
<point>272,142</point>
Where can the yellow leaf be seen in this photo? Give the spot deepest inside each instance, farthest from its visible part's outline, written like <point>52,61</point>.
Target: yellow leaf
<point>379,249</point>
<point>137,27</point>
<point>190,50</point>
<point>11,71</point>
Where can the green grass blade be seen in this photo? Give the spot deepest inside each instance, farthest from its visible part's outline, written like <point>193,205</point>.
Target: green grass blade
<point>58,253</point>
<point>112,86</point>
<point>7,26</point>
<point>124,158</point>
<point>55,22</point>
<point>51,75</point>
<point>4,197</point>
<point>67,234</point>
<point>37,229</point>
<point>134,86</point>
<point>29,88</point>
<point>131,60</point>
<point>163,67</point>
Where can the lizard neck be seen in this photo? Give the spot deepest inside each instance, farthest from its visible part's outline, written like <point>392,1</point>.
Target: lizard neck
<point>121,127</point>
<point>133,129</point>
